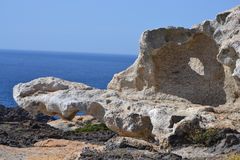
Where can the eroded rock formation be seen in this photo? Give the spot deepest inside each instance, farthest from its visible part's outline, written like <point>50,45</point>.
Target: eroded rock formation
<point>179,63</point>
<point>180,76</point>
<point>54,96</point>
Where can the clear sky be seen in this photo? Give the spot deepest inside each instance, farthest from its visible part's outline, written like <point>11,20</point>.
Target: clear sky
<point>104,26</point>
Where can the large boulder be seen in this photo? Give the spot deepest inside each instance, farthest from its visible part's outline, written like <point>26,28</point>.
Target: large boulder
<point>53,96</point>
<point>129,124</point>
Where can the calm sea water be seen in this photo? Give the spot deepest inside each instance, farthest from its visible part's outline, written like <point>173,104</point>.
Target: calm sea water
<point>22,66</point>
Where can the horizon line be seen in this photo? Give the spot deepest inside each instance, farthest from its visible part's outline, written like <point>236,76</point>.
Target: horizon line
<point>69,52</point>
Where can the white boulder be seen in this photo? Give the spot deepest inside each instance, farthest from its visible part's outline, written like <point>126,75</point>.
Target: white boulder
<point>54,96</point>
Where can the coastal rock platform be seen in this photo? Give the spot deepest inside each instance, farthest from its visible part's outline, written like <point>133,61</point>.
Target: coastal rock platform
<point>181,93</point>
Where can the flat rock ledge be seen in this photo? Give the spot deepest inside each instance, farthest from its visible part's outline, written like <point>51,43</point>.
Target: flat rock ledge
<point>182,90</point>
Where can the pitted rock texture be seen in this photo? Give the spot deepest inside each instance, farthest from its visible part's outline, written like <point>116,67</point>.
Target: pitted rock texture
<point>199,65</point>
<point>180,74</point>
<point>176,64</point>
<point>127,117</point>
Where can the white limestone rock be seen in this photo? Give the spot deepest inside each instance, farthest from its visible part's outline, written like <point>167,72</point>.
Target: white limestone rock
<point>197,65</point>
<point>53,96</point>
<point>180,73</point>
<point>175,64</point>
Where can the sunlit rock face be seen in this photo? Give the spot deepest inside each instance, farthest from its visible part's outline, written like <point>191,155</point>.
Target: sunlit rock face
<point>54,96</point>
<point>176,62</point>
<point>225,32</point>
<point>179,76</point>
<point>199,65</point>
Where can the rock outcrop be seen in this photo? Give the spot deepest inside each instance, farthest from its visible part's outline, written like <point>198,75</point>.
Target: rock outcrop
<point>175,63</point>
<point>127,117</point>
<point>183,79</point>
<point>191,66</point>
<point>54,96</point>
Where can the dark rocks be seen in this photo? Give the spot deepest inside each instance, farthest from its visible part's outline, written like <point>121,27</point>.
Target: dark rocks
<point>126,154</point>
<point>222,135</point>
<point>18,114</point>
<point>183,132</point>
<point>230,143</point>
<point>221,18</point>
<point>231,140</point>
<point>19,129</point>
<point>26,133</point>
<point>13,114</point>
<point>126,148</point>
<point>210,137</point>
<point>175,119</point>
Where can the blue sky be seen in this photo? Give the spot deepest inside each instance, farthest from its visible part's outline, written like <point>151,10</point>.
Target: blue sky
<point>104,26</point>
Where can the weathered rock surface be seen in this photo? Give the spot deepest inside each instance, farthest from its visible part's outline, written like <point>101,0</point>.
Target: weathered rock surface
<point>53,96</point>
<point>127,117</point>
<point>184,63</point>
<point>127,148</point>
<point>183,80</point>
<point>75,123</point>
<point>175,63</point>
<point>126,154</point>
<point>179,68</point>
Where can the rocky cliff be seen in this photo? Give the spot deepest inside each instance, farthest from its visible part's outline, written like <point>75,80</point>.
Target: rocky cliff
<point>183,89</point>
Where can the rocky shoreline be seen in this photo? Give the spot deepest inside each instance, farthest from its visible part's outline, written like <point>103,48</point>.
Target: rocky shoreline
<point>19,129</point>
<point>179,100</point>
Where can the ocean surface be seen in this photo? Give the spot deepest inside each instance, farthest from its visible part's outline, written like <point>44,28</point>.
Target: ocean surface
<point>92,69</point>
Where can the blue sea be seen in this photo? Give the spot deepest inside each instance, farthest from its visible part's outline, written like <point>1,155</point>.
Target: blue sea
<point>92,69</point>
